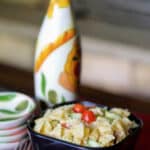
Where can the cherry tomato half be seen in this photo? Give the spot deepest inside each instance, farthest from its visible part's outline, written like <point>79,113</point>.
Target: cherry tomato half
<point>79,108</point>
<point>88,116</point>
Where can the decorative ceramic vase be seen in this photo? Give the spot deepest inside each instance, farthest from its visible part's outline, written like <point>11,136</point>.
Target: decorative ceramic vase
<point>58,54</point>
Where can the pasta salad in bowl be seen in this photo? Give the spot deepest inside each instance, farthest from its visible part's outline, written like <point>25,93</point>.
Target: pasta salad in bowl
<point>86,125</point>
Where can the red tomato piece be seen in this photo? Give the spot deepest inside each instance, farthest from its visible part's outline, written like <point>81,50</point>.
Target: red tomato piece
<point>79,108</point>
<point>65,125</point>
<point>88,116</point>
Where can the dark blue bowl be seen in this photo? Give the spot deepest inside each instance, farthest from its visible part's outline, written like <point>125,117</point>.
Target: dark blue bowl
<point>41,142</point>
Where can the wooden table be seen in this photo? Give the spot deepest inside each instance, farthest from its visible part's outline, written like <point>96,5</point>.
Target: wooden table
<point>143,143</point>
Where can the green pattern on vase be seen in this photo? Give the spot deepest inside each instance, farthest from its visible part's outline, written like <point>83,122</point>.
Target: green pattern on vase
<point>63,99</point>
<point>43,84</point>
<point>52,97</point>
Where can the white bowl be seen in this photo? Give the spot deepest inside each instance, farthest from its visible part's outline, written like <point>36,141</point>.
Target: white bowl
<point>13,123</point>
<point>12,106</point>
<point>9,146</point>
<point>15,105</point>
<point>12,131</point>
<point>13,145</point>
<point>13,138</point>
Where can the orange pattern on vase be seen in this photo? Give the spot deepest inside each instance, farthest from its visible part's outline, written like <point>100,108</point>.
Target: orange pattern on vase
<point>69,78</point>
<point>62,39</point>
<point>60,3</point>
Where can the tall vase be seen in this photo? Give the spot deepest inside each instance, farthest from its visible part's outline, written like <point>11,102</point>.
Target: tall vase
<point>57,56</point>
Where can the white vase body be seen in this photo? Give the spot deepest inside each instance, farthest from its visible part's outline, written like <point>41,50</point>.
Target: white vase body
<point>57,58</point>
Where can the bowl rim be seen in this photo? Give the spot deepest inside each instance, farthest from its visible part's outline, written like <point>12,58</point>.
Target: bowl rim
<point>66,143</point>
<point>14,145</point>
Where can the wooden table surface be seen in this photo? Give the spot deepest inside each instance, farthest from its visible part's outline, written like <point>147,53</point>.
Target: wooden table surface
<point>143,142</point>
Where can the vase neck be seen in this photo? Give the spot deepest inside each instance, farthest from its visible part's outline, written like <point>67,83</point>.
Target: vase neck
<point>58,4</point>
<point>61,3</point>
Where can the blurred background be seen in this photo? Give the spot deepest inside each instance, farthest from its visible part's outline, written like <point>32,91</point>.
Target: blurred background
<point>115,39</point>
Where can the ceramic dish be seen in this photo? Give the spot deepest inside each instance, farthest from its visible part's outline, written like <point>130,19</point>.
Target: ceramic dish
<point>13,138</point>
<point>15,109</point>
<point>12,131</point>
<point>15,105</point>
<point>12,123</point>
<point>12,145</point>
<point>9,146</point>
<point>44,142</point>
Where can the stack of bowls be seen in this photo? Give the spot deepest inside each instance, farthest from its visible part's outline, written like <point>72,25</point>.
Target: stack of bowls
<point>15,110</point>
